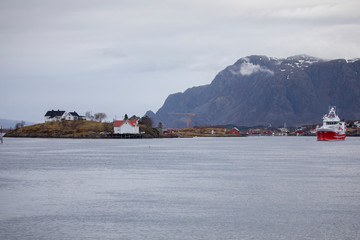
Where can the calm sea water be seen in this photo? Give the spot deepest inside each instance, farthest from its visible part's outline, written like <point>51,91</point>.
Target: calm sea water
<point>203,188</point>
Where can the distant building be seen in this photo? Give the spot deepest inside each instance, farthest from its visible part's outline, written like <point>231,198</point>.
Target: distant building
<point>73,116</point>
<point>170,131</point>
<point>126,127</point>
<point>299,132</point>
<point>52,116</point>
<point>233,131</point>
<point>284,130</point>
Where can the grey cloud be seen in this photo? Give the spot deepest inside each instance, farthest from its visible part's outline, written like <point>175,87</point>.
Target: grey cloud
<point>160,46</point>
<point>248,68</point>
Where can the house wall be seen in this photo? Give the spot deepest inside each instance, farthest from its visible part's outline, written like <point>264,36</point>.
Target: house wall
<point>47,119</point>
<point>68,116</point>
<point>65,114</point>
<point>54,119</point>
<point>127,128</point>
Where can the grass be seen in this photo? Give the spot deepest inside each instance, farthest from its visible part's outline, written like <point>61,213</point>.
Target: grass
<point>92,129</point>
<point>204,132</point>
<point>77,128</point>
<point>73,129</point>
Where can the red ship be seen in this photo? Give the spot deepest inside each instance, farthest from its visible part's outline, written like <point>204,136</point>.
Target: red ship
<point>332,128</point>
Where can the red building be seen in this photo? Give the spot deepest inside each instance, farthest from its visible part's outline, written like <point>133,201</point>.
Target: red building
<point>233,131</point>
<point>170,131</point>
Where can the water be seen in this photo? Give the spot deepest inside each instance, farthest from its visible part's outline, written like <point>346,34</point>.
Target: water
<point>203,188</point>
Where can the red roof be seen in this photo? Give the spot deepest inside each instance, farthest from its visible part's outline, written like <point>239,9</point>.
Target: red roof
<point>119,123</point>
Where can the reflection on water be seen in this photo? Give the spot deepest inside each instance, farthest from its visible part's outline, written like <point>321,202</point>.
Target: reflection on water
<point>203,188</point>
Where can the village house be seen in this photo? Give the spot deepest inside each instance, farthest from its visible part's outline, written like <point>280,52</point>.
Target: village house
<point>170,131</point>
<point>233,131</point>
<point>52,116</point>
<point>73,116</point>
<point>126,127</point>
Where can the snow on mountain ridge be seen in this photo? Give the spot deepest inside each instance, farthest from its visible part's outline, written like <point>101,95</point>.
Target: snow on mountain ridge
<point>353,60</point>
<point>245,95</point>
<point>245,66</point>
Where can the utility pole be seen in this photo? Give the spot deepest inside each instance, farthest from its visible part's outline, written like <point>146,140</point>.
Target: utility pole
<point>1,135</point>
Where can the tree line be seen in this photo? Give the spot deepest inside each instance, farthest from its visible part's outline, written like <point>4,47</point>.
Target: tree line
<point>96,117</point>
<point>101,116</point>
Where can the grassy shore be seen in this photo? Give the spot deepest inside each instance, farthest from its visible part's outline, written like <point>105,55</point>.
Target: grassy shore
<point>92,129</point>
<point>205,132</point>
<point>72,129</point>
<point>62,129</point>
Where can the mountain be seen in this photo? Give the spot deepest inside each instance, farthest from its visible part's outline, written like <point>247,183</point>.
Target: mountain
<point>260,90</point>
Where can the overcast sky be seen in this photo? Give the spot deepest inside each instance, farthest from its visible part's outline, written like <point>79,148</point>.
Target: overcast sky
<point>127,56</point>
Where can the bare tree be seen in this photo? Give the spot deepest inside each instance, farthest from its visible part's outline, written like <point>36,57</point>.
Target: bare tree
<point>89,116</point>
<point>20,125</point>
<point>99,116</point>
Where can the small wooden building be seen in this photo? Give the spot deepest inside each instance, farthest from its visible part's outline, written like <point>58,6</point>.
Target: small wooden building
<point>126,127</point>
<point>233,131</point>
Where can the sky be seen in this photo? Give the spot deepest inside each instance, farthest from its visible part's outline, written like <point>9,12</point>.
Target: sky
<point>126,56</point>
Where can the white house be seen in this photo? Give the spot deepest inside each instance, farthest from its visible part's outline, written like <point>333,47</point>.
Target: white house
<point>52,116</point>
<point>72,116</point>
<point>126,127</point>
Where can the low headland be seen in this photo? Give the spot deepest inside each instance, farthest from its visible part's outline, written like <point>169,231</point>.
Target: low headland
<point>95,129</point>
<point>74,129</point>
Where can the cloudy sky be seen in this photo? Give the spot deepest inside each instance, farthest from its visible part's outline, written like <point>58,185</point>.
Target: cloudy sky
<point>127,56</point>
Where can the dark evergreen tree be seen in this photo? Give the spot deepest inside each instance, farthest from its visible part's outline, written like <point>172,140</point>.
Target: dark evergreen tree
<point>146,121</point>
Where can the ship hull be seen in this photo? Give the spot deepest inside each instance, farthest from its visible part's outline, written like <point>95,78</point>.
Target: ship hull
<point>328,135</point>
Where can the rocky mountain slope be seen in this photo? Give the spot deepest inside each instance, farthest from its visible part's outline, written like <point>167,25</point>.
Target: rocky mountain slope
<point>258,90</point>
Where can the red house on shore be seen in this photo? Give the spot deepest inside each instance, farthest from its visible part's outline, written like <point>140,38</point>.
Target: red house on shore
<point>170,131</point>
<point>233,131</point>
<point>126,127</point>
